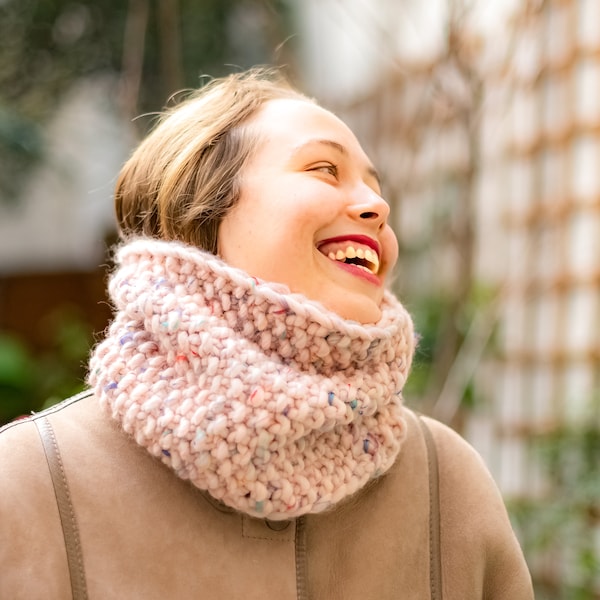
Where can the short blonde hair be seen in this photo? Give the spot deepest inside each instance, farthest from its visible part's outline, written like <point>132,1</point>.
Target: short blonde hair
<point>183,178</point>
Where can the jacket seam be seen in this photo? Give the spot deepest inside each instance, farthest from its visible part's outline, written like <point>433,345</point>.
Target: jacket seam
<point>300,556</point>
<point>283,536</point>
<point>435,567</point>
<point>65,508</point>
<point>48,411</point>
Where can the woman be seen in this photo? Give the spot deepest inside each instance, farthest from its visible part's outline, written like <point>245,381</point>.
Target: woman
<point>244,434</point>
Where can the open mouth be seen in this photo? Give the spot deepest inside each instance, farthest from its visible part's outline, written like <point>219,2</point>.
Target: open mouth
<point>352,253</point>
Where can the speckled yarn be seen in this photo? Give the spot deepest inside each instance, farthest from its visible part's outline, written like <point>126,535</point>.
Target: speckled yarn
<point>273,404</point>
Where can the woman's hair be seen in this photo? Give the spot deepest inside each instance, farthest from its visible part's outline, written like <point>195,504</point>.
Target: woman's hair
<point>183,178</point>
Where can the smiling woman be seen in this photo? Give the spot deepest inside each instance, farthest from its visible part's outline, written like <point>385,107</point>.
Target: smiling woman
<point>244,433</point>
<point>308,190</point>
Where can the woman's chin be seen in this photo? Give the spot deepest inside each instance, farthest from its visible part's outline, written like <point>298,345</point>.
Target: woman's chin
<point>362,310</point>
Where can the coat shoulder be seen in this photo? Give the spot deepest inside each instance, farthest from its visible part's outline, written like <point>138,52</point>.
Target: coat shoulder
<point>32,545</point>
<point>474,520</point>
<point>21,449</point>
<point>458,458</point>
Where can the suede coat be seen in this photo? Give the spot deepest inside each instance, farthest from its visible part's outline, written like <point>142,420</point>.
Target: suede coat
<point>146,534</point>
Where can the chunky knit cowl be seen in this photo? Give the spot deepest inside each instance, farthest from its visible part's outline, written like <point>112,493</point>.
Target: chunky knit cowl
<point>271,403</point>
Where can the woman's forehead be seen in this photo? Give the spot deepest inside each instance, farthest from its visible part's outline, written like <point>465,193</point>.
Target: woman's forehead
<point>296,125</point>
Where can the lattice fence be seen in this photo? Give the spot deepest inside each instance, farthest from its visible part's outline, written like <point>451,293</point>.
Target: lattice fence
<point>492,163</point>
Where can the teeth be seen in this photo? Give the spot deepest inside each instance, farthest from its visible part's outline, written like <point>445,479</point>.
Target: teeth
<point>351,252</point>
<point>374,260</point>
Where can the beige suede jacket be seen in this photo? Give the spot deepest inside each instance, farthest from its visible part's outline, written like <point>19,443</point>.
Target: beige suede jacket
<point>134,530</point>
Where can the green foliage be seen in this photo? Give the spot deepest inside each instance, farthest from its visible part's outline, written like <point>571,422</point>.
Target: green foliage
<point>563,527</point>
<point>17,382</point>
<point>31,382</point>
<point>47,45</point>
<point>427,313</point>
<point>431,314</point>
<point>20,146</point>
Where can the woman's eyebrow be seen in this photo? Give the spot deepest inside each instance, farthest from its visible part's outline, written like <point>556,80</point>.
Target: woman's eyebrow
<point>371,170</point>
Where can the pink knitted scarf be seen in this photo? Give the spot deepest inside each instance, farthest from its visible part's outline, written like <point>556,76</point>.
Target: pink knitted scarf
<point>273,404</point>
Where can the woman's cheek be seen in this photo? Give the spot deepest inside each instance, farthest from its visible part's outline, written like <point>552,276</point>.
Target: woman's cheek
<point>390,248</point>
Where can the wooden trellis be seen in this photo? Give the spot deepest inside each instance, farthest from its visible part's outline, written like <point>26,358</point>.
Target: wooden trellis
<point>491,157</point>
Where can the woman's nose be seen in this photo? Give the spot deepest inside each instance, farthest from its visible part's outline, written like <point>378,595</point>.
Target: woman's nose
<point>369,206</point>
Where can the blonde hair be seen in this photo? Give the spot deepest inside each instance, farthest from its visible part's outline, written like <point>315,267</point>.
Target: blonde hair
<point>183,178</point>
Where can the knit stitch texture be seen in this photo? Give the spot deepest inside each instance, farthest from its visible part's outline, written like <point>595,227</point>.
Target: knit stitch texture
<point>273,404</point>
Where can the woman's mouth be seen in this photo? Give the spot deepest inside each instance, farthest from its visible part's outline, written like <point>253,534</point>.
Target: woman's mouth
<point>360,252</point>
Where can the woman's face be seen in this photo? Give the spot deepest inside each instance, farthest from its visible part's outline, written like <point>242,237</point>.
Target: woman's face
<point>310,214</point>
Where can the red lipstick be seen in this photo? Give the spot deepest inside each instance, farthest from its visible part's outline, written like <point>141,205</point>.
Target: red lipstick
<point>360,239</point>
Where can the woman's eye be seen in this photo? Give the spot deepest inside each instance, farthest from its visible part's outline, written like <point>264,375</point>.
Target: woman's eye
<point>327,168</point>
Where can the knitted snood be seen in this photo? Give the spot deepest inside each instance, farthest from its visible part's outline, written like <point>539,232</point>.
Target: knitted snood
<point>274,405</point>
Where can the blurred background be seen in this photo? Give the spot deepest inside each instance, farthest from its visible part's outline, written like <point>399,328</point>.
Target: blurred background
<point>484,119</point>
